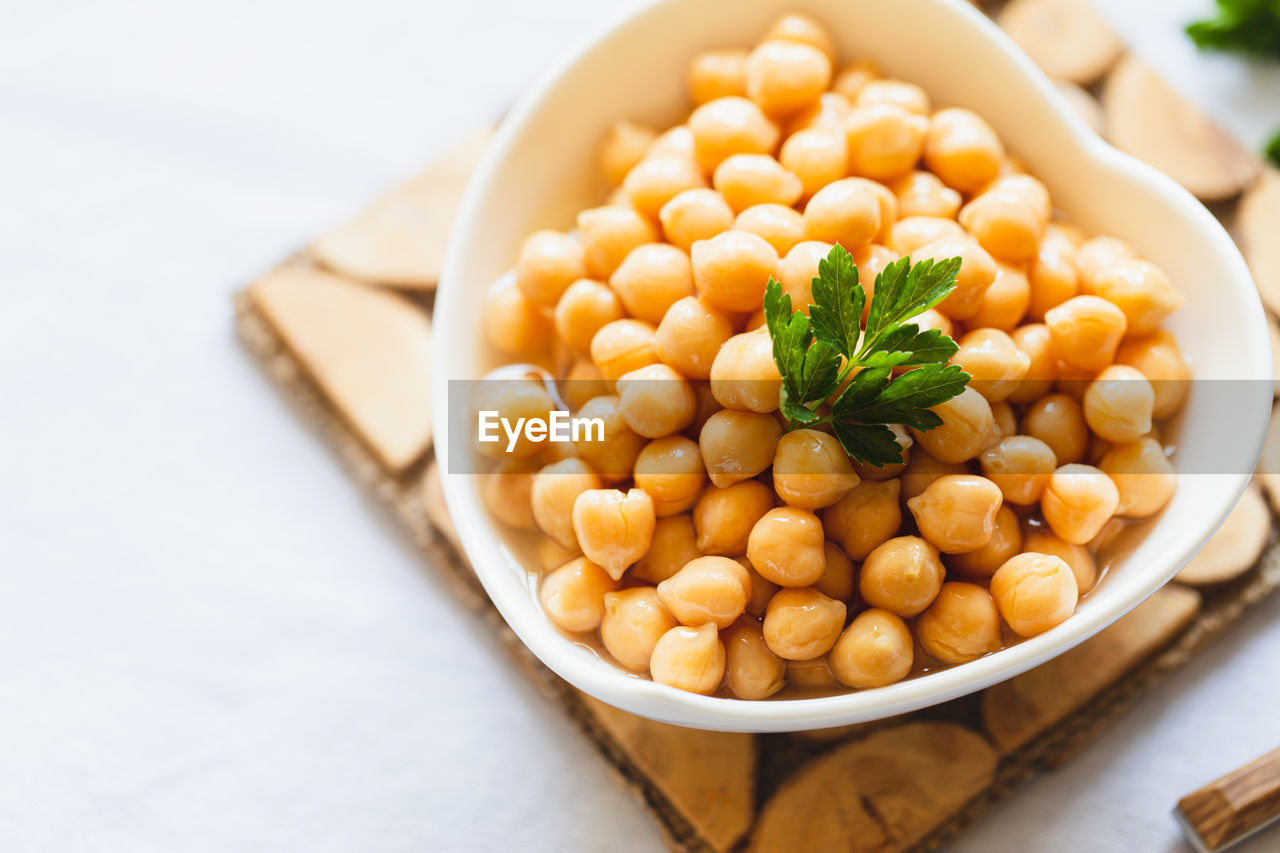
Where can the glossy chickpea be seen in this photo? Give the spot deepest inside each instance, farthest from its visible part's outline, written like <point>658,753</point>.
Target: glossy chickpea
<point>799,27</point>
<point>843,212</point>
<point>1142,291</point>
<point>612,454</point>
<point>934,319</point>
<point>994,361</point>
<point>867,471</point>
<point>962,149</point>
<point>608,234</point>
<point>1035,340</point>
<point>573,595</point>
<point>852,77</point>
<point>1052,273</point>
<point>651,279</point>
<point>961,625</point>
<point>902,575</point>
<point>547,264</point>
<point>817,156</point>
<point>707,406</point>
<point>690,335</point>
<point>1118,404</point>
<point>871,261</point>
<point>751,670</point>
<point>622,346</point>
<point>694,215</point>
<point>1005,224</point>
<point>613,528</point>
<point>674,543</point>
<point>1086,331</point>
<point>506,493</point>
<point>745,180</point>
<point>912,232</point>
<point>811,470</point>
<point>744,375</point>
<point>762,589</point>
<point>513,399</point>
<point>840,577</point>
<point>515,324</point>
<point>924,194</point>
<point>730,270</point>
<point>737,446</point>
<point>1034,592</point>
<point>922,469</point>
<point>724,518</point>
<point>1058,421</point>
<point>802,624</point>
<point>633,622</point>
<point>624,146</point>
<point>865,517</point>
<point>786,547</point>
<point>658,178</point>
<point>1020,466</point>
<point>884,141</point>
<point>655,401</point>
<point>707,589</point>
<point>1077,557</point>
<point>717,74</point>
<point>977,272</point>
<point>1005,302</point>
<point>1006,420</point>
<point>875,650</point>
<point>967,428</point>
<point>779,225</point>
<point>1073,381</point>
<point>691,659</point>
<point>957,513</point>
<point>896,93</point>
<point>828,110</point>
<point>797,270</point>
<point>670,470</point>
<point>1078,501</point>
<point>582,382</point>
<point>1005,542</point>
<point>1095,256</point>
<point>585,307</point>
<point>1158,358</point>
<point>730,125</point>
<point>552,494</point>
<point>785,76</point>
<point>1143,476</point>
<point>677,140</point>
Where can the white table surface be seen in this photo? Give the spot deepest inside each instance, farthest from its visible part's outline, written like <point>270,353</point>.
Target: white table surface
<point>209,640</point>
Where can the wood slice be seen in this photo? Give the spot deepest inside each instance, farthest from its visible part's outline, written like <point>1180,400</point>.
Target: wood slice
<point>368,350</point>
<point>1236,546</point>
<point>1151,121</point>
<point>1066,38</point>
<point>1228,809</point>
<point>884,792</point>
<point>1258,224</point>
<point>1017,710</point>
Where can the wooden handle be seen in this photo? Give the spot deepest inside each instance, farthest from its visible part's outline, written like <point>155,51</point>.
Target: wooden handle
<point>1243,801</point>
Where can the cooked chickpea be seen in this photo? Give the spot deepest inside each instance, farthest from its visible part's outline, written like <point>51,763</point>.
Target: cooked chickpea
<point>1143,476</point>
<point>884,141</point>
<point>967,428</point>
<point>1077,557</point>
<point>1159,359</point>
<point>582,381</point>
<point>745,180</point>
<point>1006,420</point>
<point>811,676</point>
<point>865,517</point>
<point>828,110</point>
<point>994,361</point>
<point>690,335</point>
<point>658,178</point>
<point>613,528</point>
<point>751,670</point>
<point>798,269</point>
<point>962,149</point>
<point>676,140</point>
<point>608,234</point>
<point>1005,541</point>
<point>840,577</point>
<point>622,346</point>
<point>1078,501</point>
<point>624,146</point>
<point>547,264</point>
<point>613,454</point>
<point>707,406</point>
<point>799,27</point>
<point>737,446</point>
<point>1020,466</point>
<point>1085,331</point>
<point>871,261</point>
<point>852,77</point>
<point>552,494</point>
<point>516,324</point>
<point>731,269</point>
<point>802,624</point>
<point>1097,255</point>
<point>762,589</point>
<point>1142,291</point>
<point>1058,421</point>
<point>843,212</point>
<point>786,547</point>
<point>876,649</point>
<point>1118,404</point>
<point>957,513</point>
<point>693,215</point>
<point>744,375</point>
<point>922,469</point>
<point>1004,303</point>
<point>784,76</point>
<point>911,232</point>
<point>670,469</point>
<point>633,622</point>
<point>707,589</point>
<point>507,492</point>
<point>779,225</point>
<point>924,194</point>
<point>902,575</point>
<point>1034,592</point>
<point>674,544</point>
<point>1035,340</point>
<point>651,279</point>
<point>573,595</point>
<point>513,399</point>
<point>655,401</point>
<point>717,74</point>
<point>689,658</point>
<point>977,272</point>
<point>585,308</point>
<point>1005,224</point>
<point>724,518</point>
<point>730,125</point>
<point>961,625</point>
<point>817,156</point>
<point>811,470</point>
<point>1052,274</point>
<point>897,93</point>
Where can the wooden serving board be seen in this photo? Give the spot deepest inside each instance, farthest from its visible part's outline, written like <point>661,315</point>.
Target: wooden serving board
<point>342,328</point>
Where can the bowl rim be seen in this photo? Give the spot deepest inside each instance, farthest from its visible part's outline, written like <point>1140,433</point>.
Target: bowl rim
<point>648,698</point>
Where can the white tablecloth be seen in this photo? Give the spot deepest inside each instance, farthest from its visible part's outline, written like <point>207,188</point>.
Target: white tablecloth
<point>209,640</point>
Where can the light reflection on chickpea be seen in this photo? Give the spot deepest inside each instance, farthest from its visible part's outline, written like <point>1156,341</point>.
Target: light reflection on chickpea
<point>691,659</point>
<point>707,589</point>
<point>801,624</point>
<point>752,671</point>
<point>875,650</point>
<point>902,576</point>
<point>573,595</point>
<point>961,625</point>
<point>724,518</point>
<point>1034,592</point>
<point>553,492</point>
<point>957,513</point>
<point>1078,501</point>
<point>811,470</point>
<point>633,622</point>
<point>674,543</point>
<point>786,547</point>
<point>865,517</point>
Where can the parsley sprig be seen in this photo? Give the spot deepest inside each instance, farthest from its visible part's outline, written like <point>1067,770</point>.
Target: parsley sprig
<point>816,354</point>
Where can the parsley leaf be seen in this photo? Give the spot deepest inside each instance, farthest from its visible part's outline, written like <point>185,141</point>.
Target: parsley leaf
<point>838,300</point>
<point>1250,27</point>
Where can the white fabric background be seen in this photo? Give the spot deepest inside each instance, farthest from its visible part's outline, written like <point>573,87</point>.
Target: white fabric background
<point>209,640</point>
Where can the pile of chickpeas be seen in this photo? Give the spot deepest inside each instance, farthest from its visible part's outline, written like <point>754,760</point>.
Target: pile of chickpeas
<point>701,542</point>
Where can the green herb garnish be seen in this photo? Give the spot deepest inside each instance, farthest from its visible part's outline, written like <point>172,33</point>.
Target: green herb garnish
<point>1273,150</point>
<point>1241,26</point>
<point>809,352</point>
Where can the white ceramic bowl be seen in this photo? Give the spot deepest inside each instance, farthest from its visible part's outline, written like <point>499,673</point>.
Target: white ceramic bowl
<point>541,170</point>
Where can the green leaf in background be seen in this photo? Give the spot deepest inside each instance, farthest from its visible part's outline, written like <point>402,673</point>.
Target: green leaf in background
<point>1250,27</point>
<point>1273,150</point>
